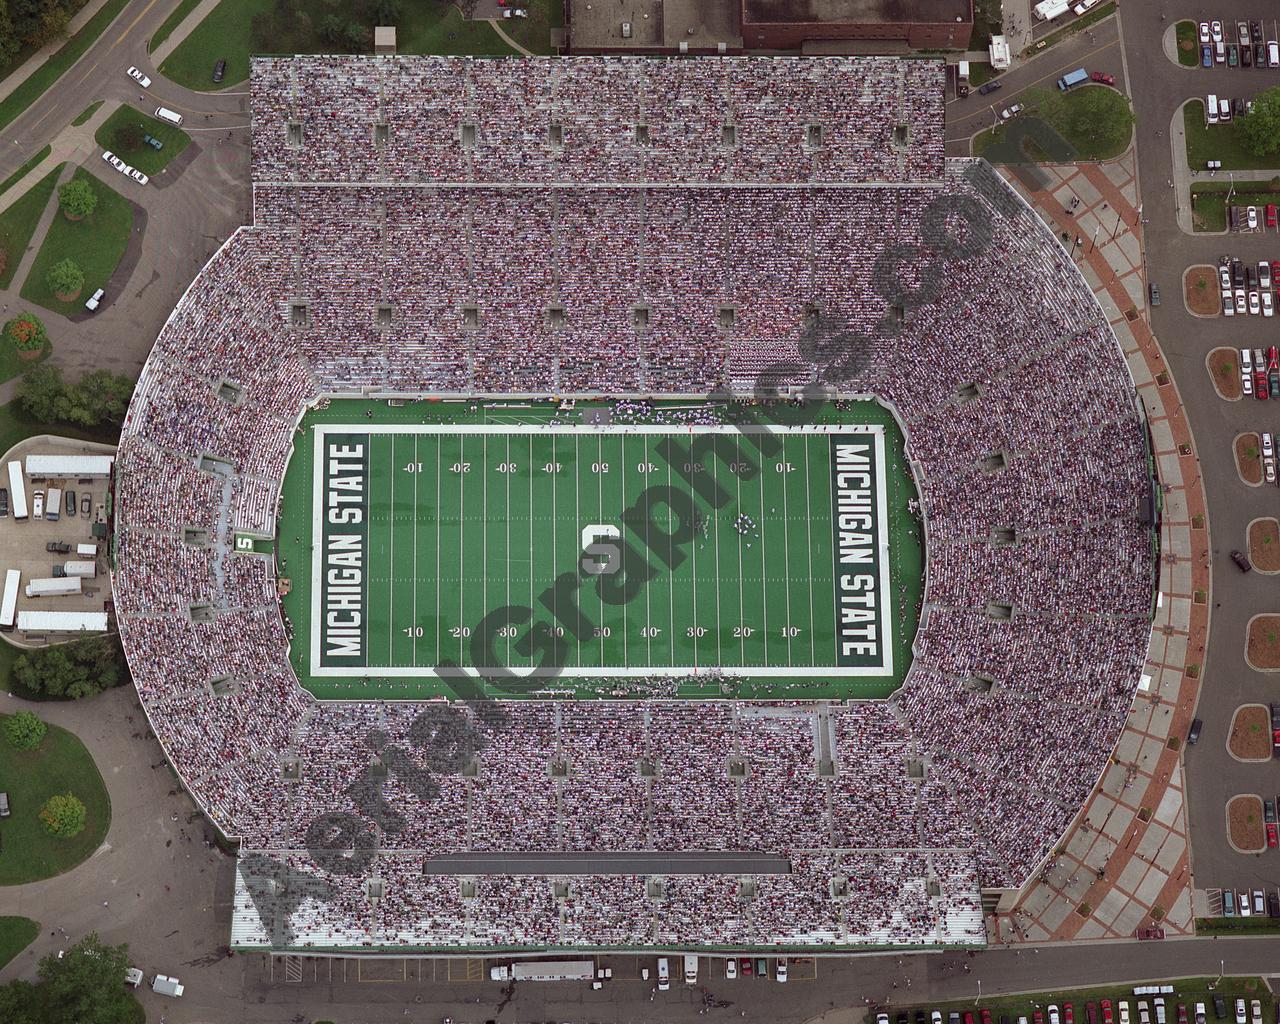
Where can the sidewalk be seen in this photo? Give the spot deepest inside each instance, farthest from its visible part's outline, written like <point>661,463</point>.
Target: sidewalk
<point>38,59</point>
<point>73,145</point>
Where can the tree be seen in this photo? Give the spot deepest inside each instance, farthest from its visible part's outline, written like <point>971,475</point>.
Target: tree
<point>128,137</point>
<point>75,670</point>
<point>65,279</point>
<point>26,331</point>
<point>40,392</point>
<point>77,199</point>
<point>1096,120</point>
<point>9,47</point>
<point>1259,130</point>
<point>387,12</point>
<point>64,816</point>
<point>19,1003</point>
<point>24,730</point>
<point>85,984</point>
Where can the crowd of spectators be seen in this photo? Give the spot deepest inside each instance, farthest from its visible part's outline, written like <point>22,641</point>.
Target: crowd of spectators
<point>1021,429</point>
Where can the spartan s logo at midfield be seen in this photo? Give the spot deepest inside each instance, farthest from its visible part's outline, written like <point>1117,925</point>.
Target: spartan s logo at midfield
<point>599,556</point>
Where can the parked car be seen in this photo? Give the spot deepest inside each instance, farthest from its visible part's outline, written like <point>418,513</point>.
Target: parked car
<point>989,87</point>
<point>152,141</point>
<point>114,161</point>
<point>1252,215</point>
<point>1193,734</point>
<point>1154,291</point>
<point>1215,31</point>
<point>745,963</point>
<point>1233,56</point>
<point>1206,56</point>
<point>1219,1007</point>
<point>71,503</point>
<point>1103,77</point>
<point>1204,31</point>
<point>219,70</point>
<point>1268,304</point>
<point>1242,32</point>
<point>138,176</point>
<point>730,969</point>
<point>94,300</point>
<point>1200,1013</point>
<point>57,547</point>
<point>1107,1016</point>
<point>1122,1008</point>
<point>1242,1013</point>
<point>84,504</point>
<point>780,970</point>
<point>4,502</point>
<point>1009,113</point>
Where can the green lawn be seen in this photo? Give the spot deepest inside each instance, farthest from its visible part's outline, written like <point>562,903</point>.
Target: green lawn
<point>1209,201</point>
<point>143,157</point>
<point>1188,44</point>
<point>16,934</point>
<point>436,28</point>
<point>534,32</point>
<point>96,243</point>
<point>61,764</point>
<point>226,34</point>
<point>19,222</point>
<point>1218,142</point>
<point>88,113</point>
<point>1236,925</point>
<point>1188,990</point>
<point>21,172</point>
<point>170,23</point>
<point>1076,116</point>
<point>53,69</point>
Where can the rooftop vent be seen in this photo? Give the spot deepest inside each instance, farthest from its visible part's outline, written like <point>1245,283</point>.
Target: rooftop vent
<point>293,134</point>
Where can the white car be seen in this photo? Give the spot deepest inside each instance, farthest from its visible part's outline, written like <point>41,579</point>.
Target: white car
<point>1241,1016</point>
<point>137,175</point>
<point>1204,33</point>
<point>1246,361</point>
<point>520,12</point>
<point>1123,1008</point>
<point>1055,1017</point>
<point>1240,301</point>
<point>1228,307</point>
<point>1268,445</point>
<point>731,968</point>
<point>1246,386</point>
<point>1215,31</point>
<point>1158,1001</point>
<point>94,300</point>
<point>115,161</point>
<point>1224,275</point>
<point>1144,1012</point>
<point>1269,468</point>
<point>1268,304</point>
<point>1264,274</point>
<point>935,1017</point>
<point>1009,113</point>
<point>139,77</point>
<point>1255,307</point>
<point>1255,1006</point>
<point>1200,1013</point>
<point>780,970</point>
<point>1252,215</point>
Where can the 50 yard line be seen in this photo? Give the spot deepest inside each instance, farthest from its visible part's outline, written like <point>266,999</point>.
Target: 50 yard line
<point>416,478</point>
<point>391,568</point>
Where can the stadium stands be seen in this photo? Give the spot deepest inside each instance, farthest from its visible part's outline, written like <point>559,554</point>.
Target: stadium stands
<point>437,280</point>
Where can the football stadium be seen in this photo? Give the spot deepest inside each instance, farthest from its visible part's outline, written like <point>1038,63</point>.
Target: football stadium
<point>631,504</point>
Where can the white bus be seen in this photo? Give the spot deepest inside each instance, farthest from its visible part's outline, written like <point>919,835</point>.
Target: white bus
<point>17,492</point>
<point>10,603</point>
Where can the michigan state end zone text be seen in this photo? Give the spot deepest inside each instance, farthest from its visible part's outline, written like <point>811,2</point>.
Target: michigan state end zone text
<point>811,522</point>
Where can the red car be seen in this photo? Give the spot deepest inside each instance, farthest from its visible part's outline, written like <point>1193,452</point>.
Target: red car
<point>1107,1016</point>
<point>1275,269</point>
<point>985,1014</point>
<point>1039,1017</point>
<point>1273,838</point>
<point>1068,1014</point>
<point>1271,215</point>
<point>744,966</point>
<point>1273,358</point>
<point>1182,1013</point>
<point>1260,384</point>
<point>1103,77</point>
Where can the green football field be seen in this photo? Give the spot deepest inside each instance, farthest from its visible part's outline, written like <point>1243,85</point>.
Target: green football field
<point>597,554</point>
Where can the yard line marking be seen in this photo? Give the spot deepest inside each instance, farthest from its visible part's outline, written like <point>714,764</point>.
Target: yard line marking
<point>764,568</point>
<point>786,545</point>
<point>715,529</point>
<point>742,610</point>
<point>599,517</point>
<point>648,597</point>
<point>808,527</point>
<point>694,572</point>
<point>577,524</point>
<point>555,481</point>
<point>462,547</point>
<point>484,524</point>
<point>671,578</point>
<point>391,554</point>
<point>625,659</point>
<point>531,548</point>
<point>507,517</point>
<point>413,632</point>
<point>439,444</point>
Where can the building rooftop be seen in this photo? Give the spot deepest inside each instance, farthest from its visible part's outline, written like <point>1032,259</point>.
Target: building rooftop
<point>856,11</point>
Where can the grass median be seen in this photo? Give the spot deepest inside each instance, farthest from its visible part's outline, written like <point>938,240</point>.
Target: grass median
<point>170,23</point>
<point>96,244</point>
<point>22,171</point>
<point>1188,44</point>
<point>534,32</point>
<point>16,934</point>
<point>61,764</point>
<point>145,157</point>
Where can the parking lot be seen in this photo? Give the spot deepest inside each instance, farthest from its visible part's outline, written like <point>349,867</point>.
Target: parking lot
<point>1239,44</point>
